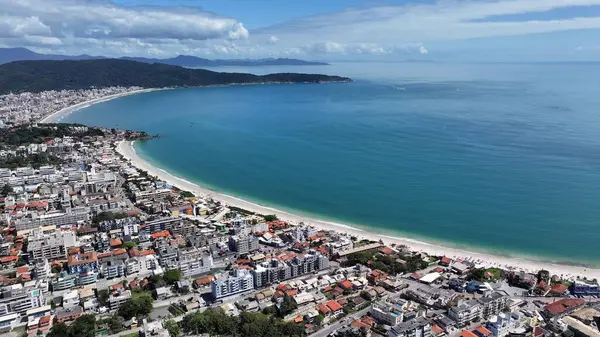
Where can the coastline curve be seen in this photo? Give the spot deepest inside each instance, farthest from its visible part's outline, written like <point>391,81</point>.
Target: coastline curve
<point>127,150</point>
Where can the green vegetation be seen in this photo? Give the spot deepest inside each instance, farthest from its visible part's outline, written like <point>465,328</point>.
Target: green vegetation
<point>105,216</point>
<point>288,305</point>
<point>37,76</point>
<point>386,263</point>
<point>30,134</point>
<point>129,245</point>
<point>115,323</point>
<point>172,276</point>
<point>138,305</point>
<point>172,327</point>
<point>84,326</point>
<point>216,322</point>
<point>103,296</point>
<point>34,160</point>
<point>6,190</point>
<point>186,194</point>
<point>481,274</point>
<point>271,217</point>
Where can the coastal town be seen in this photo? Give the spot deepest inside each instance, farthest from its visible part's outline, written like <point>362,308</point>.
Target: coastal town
<point>92,244</point>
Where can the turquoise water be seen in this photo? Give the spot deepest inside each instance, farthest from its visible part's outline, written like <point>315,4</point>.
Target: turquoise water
<point>496,157</point>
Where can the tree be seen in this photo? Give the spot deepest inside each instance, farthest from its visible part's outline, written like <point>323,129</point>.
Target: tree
<point>84,326</point>
<point>172,276</point>
<point>173,328</point>
<point>128,245</point>
<point>137,306</point>
<point>271,217</point>
<point>287,306</point>
<point>103,296</point>
<point>6,190</point>
<point>115,323</point>
<point>186,194</point>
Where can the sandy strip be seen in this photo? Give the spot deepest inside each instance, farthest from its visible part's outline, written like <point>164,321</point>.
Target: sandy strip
<point>126,149</point>
<point>57,116</point>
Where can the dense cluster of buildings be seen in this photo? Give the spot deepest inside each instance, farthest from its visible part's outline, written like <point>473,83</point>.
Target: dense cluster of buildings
<point>30,107</point>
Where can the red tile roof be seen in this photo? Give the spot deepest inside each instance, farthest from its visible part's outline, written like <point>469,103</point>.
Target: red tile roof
<point>147,252</point>
<point>8,259</point>
<point>119,251</point>
<point>345,284</point>
<point>334,305</point>
<point>359,324</point>
<point>161,234</point>
<point>323,309</point>
<point>467,333</point>
<point>436,329</point>
<point>483,331</point>
<point>559,288</point>
<point>386,250</point>
<point>564,305</point>
<point>445,260</point>
<point>116,242</point>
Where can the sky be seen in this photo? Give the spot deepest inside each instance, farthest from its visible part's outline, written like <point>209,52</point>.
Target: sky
<point>453,30</point>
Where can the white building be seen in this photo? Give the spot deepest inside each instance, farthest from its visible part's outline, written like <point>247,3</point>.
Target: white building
<point>227,284</point>
<point>386,313</point>
<point>464,312</point>
<point>71,299</point>
<point>418,327</point>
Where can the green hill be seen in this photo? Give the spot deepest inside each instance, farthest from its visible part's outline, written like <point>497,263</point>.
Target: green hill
<point>42,75</point>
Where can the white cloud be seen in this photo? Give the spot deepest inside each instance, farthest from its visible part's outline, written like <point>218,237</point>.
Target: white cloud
<point>444,20</point>
<point>102,27</point>
<point>75,22</point>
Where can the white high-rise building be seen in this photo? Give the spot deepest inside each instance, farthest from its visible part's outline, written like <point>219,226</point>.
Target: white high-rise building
<point>227,284</point>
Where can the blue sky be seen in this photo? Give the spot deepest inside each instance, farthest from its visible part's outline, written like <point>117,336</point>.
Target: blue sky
<point>454,30</point>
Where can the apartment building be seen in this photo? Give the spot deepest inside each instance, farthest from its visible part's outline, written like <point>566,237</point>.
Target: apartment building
<point>116,300</point>
<point>20,298</point>
<point>243,244</point>
<point>194,261</point>
<point>228,284</point>
<point>465,312</point>
<point>386,313</point>
<point>417,327</point>
<point>493,303</point>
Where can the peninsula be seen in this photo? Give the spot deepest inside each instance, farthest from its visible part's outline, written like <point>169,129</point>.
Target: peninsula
<point>37,76</point>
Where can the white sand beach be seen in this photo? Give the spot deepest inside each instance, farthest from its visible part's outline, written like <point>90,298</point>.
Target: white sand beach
<point>57,116</point>
<point>126,149</point>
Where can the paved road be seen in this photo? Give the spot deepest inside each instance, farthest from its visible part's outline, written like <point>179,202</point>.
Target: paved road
<point>325,331</point>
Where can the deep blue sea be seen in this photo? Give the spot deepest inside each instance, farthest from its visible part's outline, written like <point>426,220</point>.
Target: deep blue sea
<point>502,158</point>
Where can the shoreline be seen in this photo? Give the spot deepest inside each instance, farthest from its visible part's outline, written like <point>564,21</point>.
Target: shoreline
<point>568,271</point>
<point>56,116</point>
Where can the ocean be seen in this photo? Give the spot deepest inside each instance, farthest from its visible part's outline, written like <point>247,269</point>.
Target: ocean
<point>501,158</point>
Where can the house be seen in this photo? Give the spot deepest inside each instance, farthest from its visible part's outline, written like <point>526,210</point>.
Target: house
<point>481,331</point>
<point>67,315</point>
<point>445,261</point>
<point>335,307</point>
<point>563,307</point>
<point>161,293</point>
<point>324,310</point>
<point>467,333</point>
<point>183,286</point>
<point>418,327</point>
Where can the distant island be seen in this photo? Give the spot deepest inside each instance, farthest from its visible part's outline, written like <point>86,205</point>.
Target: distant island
<point>23,54</point>
<point>37,76</point>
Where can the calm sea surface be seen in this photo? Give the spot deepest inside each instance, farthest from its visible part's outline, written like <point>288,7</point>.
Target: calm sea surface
<point>497,157</point>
